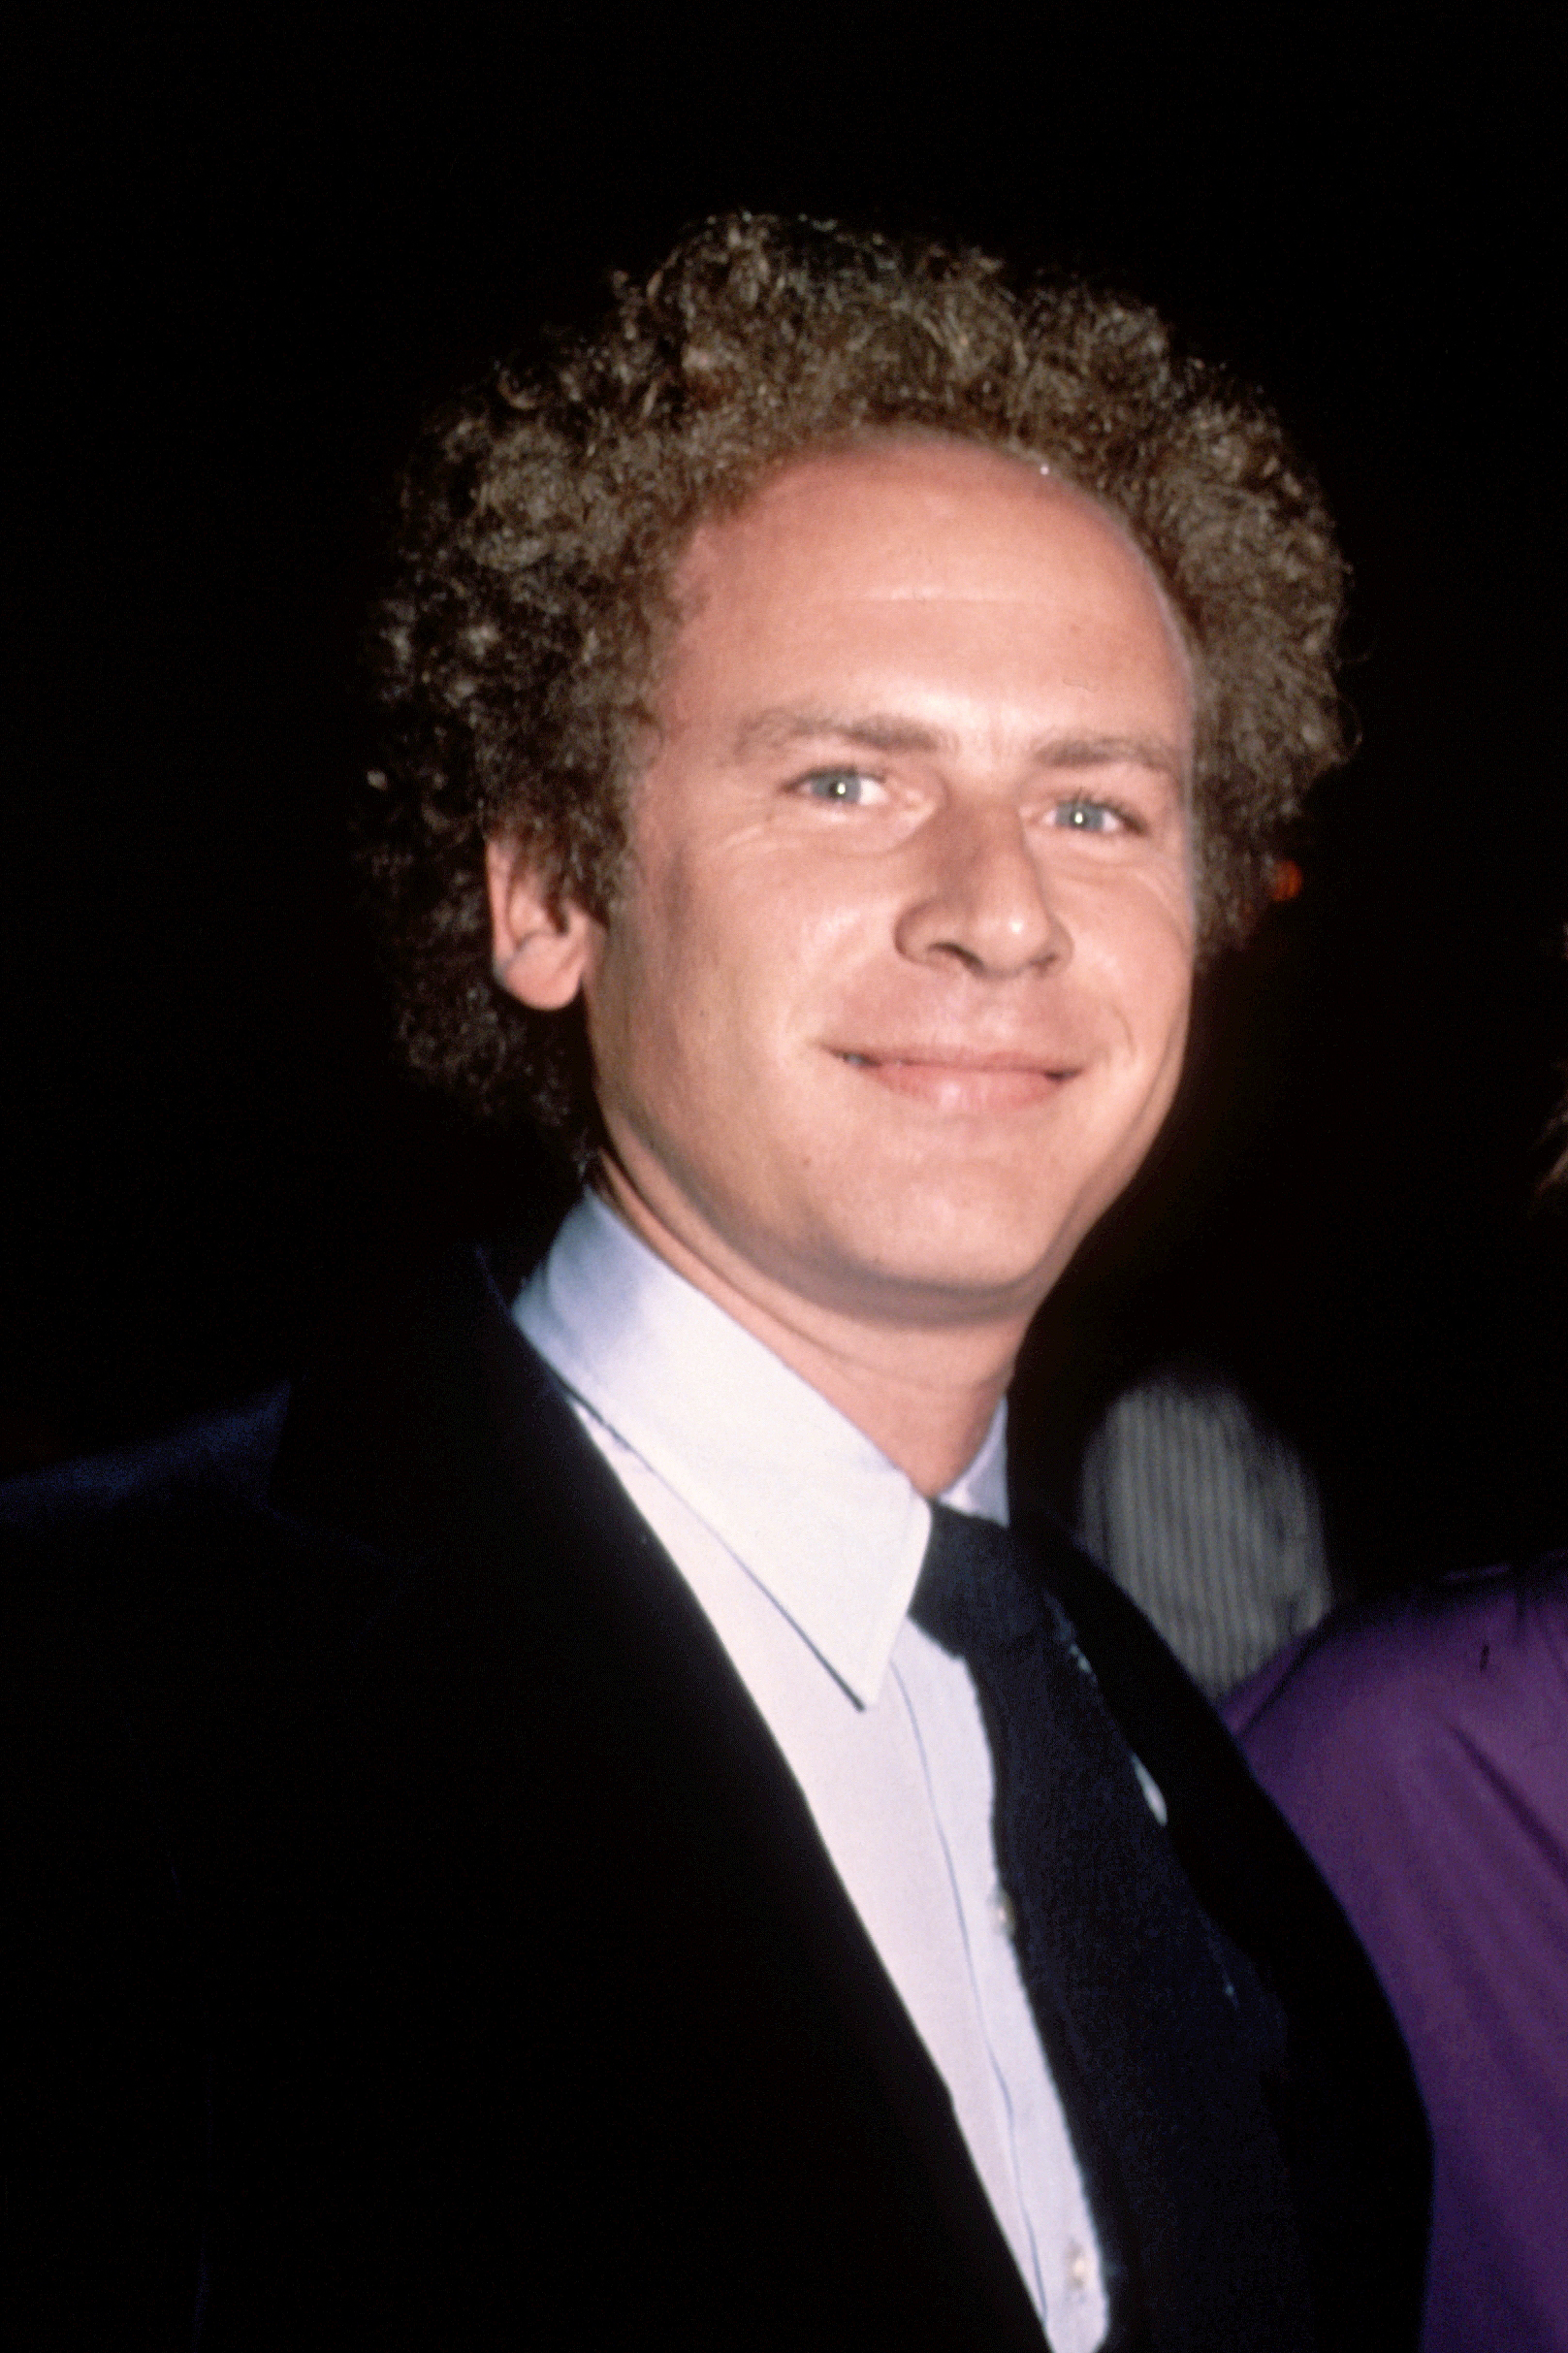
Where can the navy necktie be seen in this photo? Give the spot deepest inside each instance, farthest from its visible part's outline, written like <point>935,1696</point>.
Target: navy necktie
<point>1153,2024</point>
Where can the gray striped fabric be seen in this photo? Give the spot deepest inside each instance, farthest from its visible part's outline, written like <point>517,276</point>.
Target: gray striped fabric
<point>1209,1519</point>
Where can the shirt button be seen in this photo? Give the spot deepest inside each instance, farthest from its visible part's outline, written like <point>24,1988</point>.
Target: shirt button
<point>1003,1914</point>
<point>1076,2267</point>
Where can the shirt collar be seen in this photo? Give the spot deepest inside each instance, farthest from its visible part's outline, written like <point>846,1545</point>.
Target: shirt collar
<point>832,1529</point>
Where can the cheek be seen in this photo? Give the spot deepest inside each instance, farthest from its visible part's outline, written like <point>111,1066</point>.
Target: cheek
<point>762,944</point>
<point>669,1002</point>
<point>626,996</point>
<point>1161,979</point>
<point>1137,951</point>
<point>656,943</point>
<point>1159,1011</point>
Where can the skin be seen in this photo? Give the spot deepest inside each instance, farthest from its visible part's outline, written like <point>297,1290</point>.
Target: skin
<point>895,997</point>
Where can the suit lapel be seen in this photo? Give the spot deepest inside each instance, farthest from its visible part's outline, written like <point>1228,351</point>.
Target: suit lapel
<point>436,1435</point>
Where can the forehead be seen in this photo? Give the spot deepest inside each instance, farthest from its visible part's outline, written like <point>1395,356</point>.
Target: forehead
<point>923,542</point>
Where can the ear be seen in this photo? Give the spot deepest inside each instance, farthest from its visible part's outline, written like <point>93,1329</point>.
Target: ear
<point>542,948</point>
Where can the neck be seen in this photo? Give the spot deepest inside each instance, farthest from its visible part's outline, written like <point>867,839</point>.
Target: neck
<point>923,1395</point>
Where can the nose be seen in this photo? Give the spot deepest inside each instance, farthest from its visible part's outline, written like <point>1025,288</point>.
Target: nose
<point>980,898</point>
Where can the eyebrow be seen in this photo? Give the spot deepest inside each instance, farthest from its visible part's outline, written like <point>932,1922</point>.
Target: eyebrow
<point>875,730</point>
<point>885,731</point>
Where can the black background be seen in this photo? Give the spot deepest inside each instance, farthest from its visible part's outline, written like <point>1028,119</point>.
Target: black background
<point>248,251</point>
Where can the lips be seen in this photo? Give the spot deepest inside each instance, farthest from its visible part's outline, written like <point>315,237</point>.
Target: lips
<point>962,1082</point>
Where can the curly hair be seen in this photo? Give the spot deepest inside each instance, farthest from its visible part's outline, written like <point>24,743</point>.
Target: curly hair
<point>543,518</point>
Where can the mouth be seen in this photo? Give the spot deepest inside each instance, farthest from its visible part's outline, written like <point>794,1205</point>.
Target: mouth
<point>953,1080</point>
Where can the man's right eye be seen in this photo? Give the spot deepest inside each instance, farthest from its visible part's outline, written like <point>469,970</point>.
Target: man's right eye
<point>846,786</point>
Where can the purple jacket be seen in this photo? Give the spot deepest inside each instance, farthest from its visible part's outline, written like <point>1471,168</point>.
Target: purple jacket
<point>1420,1749</point>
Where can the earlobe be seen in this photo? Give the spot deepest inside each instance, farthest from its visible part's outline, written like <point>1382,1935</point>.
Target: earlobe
<point>540,945</point>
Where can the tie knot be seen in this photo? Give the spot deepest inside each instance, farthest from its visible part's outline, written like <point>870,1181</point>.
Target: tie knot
<point>975,1593</point>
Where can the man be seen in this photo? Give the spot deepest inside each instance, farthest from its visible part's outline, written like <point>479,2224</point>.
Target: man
<point>615,1863</point>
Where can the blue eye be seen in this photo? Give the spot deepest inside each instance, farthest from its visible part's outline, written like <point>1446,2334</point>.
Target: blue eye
<point>845,786</point>
<point>1087,817</point>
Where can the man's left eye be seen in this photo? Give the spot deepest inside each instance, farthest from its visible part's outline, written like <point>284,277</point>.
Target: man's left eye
<point>845,787</point>
<point>1088,816</point>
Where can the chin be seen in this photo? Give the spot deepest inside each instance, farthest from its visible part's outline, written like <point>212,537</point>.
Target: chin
<point>953,1260</point>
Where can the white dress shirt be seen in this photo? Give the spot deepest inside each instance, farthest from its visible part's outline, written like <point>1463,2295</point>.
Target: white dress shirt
<point>802,1543</point>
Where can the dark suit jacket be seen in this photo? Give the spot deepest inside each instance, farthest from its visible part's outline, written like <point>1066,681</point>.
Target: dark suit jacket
<point>424,1943</point>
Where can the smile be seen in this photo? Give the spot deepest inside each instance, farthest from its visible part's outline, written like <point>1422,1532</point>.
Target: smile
<point>962,1083</point>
